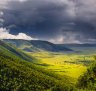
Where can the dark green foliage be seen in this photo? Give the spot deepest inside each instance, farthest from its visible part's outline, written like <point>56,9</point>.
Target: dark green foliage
<point>88,80</point>
<point>60,88</point>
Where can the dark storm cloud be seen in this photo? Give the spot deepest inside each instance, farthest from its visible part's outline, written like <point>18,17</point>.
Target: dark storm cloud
<point>53,20</point>
<point>40,17</point>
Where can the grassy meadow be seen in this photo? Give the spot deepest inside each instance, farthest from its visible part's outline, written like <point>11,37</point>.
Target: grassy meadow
<point>71,65</point>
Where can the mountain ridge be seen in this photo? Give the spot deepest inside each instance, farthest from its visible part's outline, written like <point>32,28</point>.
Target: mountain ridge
<point>37,45</point>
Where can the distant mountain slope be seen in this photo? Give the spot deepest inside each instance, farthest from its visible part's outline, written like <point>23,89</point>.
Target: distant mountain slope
<point>79,45</point>
<point>17,74</point>
<point>37,45</point>
<point>81,48</point>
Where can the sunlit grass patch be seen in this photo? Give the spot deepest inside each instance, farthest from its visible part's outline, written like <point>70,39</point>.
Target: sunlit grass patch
<point>71,65</point>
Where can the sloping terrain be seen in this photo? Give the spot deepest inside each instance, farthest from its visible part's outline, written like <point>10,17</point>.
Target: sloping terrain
<point>14,51</point>
<point>37,45</point>
<point>81,48</point>
<point>17,74</point>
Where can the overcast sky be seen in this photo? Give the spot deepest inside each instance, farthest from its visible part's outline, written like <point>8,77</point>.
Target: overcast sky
<point>58,21</point>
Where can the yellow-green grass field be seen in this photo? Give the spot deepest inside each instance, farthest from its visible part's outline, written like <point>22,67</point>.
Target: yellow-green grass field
<point>71,65</point>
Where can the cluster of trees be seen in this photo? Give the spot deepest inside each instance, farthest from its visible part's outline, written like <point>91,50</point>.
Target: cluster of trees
<point>88,80</point>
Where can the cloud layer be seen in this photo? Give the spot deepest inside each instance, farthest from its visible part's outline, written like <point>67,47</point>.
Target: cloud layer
<point>60,21</point>
<point>4,34</point>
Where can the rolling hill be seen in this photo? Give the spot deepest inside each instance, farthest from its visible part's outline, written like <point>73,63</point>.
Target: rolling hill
<point>14,51</point>
<point>37,45</point>
<point>18,74</point>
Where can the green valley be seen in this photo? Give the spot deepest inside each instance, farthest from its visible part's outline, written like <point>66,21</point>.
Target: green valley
<point>17,74</point>
<point>45,69</point>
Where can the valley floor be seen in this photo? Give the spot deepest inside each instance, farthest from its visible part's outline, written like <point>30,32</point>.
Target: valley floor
<point>71,65</point>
